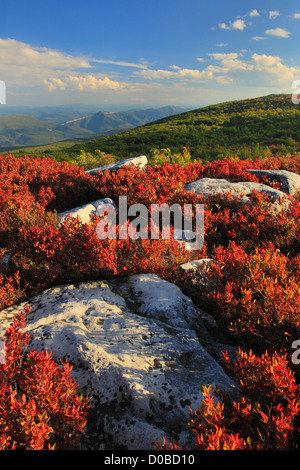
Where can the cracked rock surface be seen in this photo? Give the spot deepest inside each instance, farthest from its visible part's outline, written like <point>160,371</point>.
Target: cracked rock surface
<point>134,350</point>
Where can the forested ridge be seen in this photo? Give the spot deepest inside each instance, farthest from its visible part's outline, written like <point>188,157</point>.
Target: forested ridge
<point>247,128</point>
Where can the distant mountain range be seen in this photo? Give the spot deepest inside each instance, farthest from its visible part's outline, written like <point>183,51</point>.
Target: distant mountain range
<point>38,126</point>
<point>107,121</point>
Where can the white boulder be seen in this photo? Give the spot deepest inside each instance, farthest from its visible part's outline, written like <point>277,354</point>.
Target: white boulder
<point>142,373</point>
<point>212,186</point>
<point>290,181</point>
<point>86,211</point>
<point>140,162</point>
<point>159,299</point>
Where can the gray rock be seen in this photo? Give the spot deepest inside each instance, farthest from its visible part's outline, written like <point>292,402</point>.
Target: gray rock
<point>188,238</point>
<point>211,186</point>
<point>156,298</point>
<point>290,181</point>
<point>4,258</point>
<point>141,162</point>
<point>195,264</point>
<point>86,211</point>
<point>142,373</point>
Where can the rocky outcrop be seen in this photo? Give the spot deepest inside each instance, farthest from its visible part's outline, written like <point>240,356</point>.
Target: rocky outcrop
<point>211,186</point>
<point>290,182</point>
<point>140,162</point>
<point>134,350</point>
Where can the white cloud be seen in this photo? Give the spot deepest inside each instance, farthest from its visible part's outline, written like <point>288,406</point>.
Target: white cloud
<point>273,67</point>
<point>223,26</point>
<point>273,14</point>
<point>13,52</point>
<point>177,73</point>
<point>224,55</point>
<point>120,63</point>
<point>23,65</point>
<point>230,61</point>
<point>232,68</point>
<point>237,24</point>
<point>82,83</point>
<point>56,71</point>
<point>296,16</point>
<point>279,32</point>
<point>253,13</point>
<point>258,38</point>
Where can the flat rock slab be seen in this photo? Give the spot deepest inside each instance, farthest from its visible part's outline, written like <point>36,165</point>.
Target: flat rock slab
<point>140,161</point>
<point>86,211</point>
<point>211,186</point>
<point>290,181</point>
<point>156,298</point>
<point>142,373</point>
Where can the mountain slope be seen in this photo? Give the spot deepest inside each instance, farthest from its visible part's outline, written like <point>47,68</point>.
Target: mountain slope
<point>47,128</point>
<point>20,130</point>
<point>106,121</point>
<point>247,128</point>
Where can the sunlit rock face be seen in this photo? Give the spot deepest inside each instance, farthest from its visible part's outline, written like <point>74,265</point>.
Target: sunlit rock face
<point>134,350</point>
<point>141,162</point>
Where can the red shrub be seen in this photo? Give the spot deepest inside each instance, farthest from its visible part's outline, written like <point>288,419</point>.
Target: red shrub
<point>255,296</point>
<point>10,290</point>
<point>39,406</point>
<point>265,420</point>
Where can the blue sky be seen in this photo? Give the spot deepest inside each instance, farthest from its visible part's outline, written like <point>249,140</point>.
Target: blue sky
<point>141,53</point>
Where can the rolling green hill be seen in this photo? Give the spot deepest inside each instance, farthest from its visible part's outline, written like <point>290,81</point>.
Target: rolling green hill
<point>248,128</point>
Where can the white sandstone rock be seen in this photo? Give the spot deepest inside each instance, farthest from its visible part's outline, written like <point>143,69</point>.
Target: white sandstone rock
<point>86,211</point>
<point>142,373</point>
<point>195,264</point>
<point>140,161</point>
<point>212,186</point>
<point>290,181</point>
<point>159,299</point>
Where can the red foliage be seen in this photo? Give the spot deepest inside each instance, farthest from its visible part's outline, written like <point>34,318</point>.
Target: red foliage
<point>263,419</point>
<point>39,405</point>
<point>252,290</point>
<point>254,296</point>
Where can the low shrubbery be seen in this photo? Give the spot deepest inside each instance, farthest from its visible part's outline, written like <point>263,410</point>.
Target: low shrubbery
<point>40,408</point>
<point>252,290</point>
<point>266,416</point>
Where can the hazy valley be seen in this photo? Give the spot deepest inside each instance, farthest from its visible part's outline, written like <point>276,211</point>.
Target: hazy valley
<point>34,127</point>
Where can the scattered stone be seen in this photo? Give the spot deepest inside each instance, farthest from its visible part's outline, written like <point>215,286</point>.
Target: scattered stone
<point>157,298</point>
<point>290,181</point>
<point>212,186</point>
<point>141,162</point>
<point>4,257</point>
<point>86,211</point>
<point>195,264</point>
<point>188,238</point>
